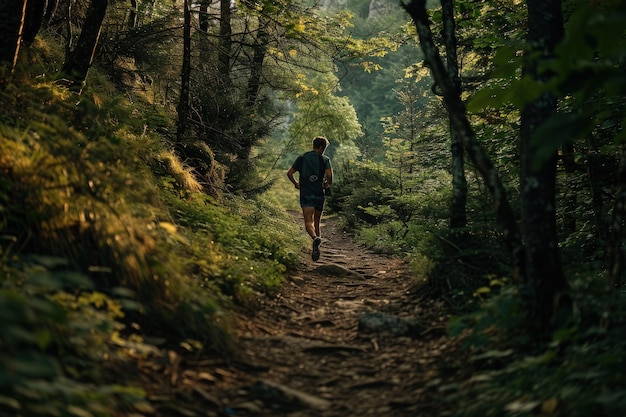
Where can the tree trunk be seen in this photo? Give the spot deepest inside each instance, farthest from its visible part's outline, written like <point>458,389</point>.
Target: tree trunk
<point>12,15</point>
<point>69,44</point>
<point>544,272</point>
<point>20,21</point>
<point>183,104</point>
<point>260,49</point>
<point>132,14</point>
<point>458,214</point>
<point>35,11</point>
<point>597,167</point>
<point>204,15</point>
<point>615,248</point>
<point>78,62</point>
<point>571,198</point>
<point>225,44</point>
<point>51,10</point>
<point>460,123</point>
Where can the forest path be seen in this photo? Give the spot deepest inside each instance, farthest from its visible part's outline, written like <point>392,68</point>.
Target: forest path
<point>304,354</point>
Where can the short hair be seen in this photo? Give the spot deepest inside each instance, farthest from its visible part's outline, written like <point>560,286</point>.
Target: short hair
<point>320,142</point>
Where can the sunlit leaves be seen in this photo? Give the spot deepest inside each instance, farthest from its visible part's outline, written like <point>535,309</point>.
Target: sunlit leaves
<point>369,66</point>
<point>295,29</point>
<point>32,378</point>
<point>303,88</point>
<point>321,112</point>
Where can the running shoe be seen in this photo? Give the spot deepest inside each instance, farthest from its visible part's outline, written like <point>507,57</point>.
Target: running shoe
<point>315,253</point>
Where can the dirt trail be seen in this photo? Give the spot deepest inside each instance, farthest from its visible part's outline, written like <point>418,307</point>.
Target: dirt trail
<point>303,354</point>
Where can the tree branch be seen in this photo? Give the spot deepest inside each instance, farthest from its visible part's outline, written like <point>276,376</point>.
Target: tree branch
<point>458,118</point>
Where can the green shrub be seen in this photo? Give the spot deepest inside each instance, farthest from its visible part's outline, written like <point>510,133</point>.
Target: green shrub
<point>579,372</point>
<point>53,344</point>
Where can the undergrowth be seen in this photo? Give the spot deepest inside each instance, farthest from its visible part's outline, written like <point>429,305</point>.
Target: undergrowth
<point>109,250</point>
<point>578,372</point>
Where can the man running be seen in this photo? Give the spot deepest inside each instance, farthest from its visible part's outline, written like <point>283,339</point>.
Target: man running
<point>315,176</point>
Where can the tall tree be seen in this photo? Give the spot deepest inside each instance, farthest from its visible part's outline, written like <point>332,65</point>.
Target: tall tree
<point>534,249</point>
<point>259,50</point>
<point>458,118</point>
<point>12,14</point>
<point>203,17</point>
<point>458,215</point>
<point>185,74</point>
<point>79,60</point>
<point>544,272</point>
<point>35,11</point>
<point>20,21</point>
<point>225,46</point>
<point>133,13</point>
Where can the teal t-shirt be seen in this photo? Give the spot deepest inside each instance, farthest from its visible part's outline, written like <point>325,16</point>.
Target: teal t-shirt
<point>312,166</point>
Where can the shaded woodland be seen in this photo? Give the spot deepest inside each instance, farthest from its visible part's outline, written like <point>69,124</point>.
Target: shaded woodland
<point>143,199</point>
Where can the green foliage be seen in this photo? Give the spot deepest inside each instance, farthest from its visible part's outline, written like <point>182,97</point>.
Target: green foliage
<point>49,342</point>
<point>108,243</point>
<point>321,112</point>
<point>578,373</point>
<point>250,237</point>
<point>369,79</point>
<point>499,319</point>
<point>588,65</point>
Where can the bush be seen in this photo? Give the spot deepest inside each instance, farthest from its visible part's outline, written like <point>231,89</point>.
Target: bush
<point>578,373</point>
<point>107,243</point>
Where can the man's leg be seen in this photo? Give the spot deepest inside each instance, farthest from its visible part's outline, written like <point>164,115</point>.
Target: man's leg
<point>309,213</point>
<point>316,220</point>
<point>315,253</point>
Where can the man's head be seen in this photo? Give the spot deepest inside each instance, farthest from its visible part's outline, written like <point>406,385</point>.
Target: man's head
<point>320,143</point>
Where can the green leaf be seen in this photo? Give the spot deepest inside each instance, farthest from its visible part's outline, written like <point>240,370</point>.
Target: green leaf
<point>35,365</point>
<point>525,90</point>
<point>557,131</point>
<point>490,96</point>
<point>564,335</point>
<point>78,412</point>
<point>506,62</point>
<point>9,402</point>
<point>494,354</point>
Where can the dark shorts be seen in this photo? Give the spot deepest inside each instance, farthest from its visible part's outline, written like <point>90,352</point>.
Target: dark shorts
<point>309,200</point>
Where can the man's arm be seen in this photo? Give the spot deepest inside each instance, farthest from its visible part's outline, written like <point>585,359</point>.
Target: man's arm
<point>292,179</point>
<point>329,178</point>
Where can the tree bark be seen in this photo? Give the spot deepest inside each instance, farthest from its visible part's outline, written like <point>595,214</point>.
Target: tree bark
<point>256,68</point>
<point>51,10</point>
<point>203,17</point>
<point>225,44</point>
<point>571,198</point>
<point>615,250</point>
<point>185,91</point>
<point>132,14</point>
<point>12,15</point>
<point>35,11</point>
<point>456,109</point>
<point>78,62</point>
<point>458,213</point>
<point>20,21</point>
<point>597,169</point>
<point>544,272</point>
